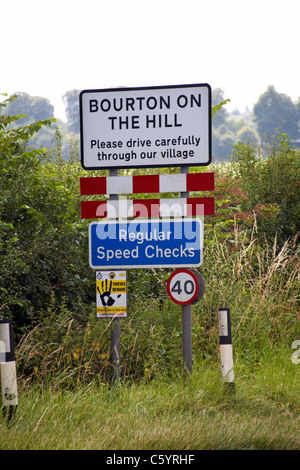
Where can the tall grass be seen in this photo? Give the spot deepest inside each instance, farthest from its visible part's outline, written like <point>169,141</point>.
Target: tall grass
<point>64,368</point>
<point>260,286</point>
<point>166,415</point>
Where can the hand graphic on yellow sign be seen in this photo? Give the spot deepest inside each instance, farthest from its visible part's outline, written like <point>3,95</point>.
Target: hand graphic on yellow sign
<point>104,289</point>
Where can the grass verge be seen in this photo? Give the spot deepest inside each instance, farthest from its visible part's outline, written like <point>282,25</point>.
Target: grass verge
<point>167,415</point>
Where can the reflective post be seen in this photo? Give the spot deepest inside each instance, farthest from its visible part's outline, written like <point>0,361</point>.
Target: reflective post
<point>225,342</point>
<point>9,387</point>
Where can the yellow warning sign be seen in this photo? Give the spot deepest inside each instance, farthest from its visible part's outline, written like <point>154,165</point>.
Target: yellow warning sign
<point>111,294</point>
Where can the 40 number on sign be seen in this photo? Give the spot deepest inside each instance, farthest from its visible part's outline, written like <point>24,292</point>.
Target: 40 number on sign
<point>188,287</point>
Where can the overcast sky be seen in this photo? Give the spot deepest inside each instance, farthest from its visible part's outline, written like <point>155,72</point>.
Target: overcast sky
<point>242,47</point>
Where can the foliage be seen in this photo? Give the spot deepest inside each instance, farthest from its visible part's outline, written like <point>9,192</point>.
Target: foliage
<point>71,100</point>
<point>219,112</point>
<point>274,110</point>
<point>33,108</point>
<point>70,346</point>
<point>270,178</point>
<point>223,141</point>
<point>218,107</point>
<point>251,263</point>
<point>228,128</point>
<point>223,137</point>
<point>245,133</point>
<point>42,238</point>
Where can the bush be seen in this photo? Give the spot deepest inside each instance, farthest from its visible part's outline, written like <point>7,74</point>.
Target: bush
<point>270,177</point>
<point>42,239</point>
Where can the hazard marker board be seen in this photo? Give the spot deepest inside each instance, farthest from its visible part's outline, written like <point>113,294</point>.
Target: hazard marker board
<point>135,184</point>
<point>148,208</point>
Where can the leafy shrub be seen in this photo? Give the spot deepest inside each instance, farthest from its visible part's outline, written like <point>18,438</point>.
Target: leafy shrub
<point>271,179</point>
<point>42,239</point>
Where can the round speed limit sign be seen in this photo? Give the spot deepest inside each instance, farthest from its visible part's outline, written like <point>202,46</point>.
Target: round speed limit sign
<point>185,286</point>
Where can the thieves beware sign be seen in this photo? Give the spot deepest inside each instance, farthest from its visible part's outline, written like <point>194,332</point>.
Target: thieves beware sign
<point>111,294</point>
<point>145,127</point>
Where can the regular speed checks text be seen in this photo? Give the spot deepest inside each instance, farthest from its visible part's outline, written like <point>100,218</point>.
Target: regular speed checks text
<point>185,286</point>
<point>142,244</point>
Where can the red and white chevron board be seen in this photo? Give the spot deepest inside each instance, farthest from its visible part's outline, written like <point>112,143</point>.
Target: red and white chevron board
<point>147,184</point>
<point>148,208</point>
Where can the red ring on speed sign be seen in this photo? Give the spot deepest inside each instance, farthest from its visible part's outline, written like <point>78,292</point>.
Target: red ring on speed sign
<point>183,286</point>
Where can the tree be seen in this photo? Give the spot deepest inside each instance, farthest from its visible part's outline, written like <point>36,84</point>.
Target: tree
<point>245,134</point>
<point>271,182</point>
<point>71,101</point>
<point>221,115</point>
<point>34,107</point>
<point>275,110</point>
<point>223,141</point>
<point>42,240</point>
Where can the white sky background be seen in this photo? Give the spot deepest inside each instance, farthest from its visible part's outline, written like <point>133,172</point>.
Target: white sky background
<point>51,47</point>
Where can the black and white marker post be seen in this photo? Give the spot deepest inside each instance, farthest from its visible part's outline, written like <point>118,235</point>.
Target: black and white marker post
<point>8,370</point>
<point>225,342</point>
<point>116,326</point>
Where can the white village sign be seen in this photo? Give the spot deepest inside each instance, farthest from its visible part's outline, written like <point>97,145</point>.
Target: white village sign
<point>146,127</point>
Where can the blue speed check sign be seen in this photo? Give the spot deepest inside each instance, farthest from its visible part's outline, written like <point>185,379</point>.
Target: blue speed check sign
<point>148,243</point>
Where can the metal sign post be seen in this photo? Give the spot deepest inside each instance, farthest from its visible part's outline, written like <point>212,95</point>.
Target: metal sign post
<point>115,349</point>
<point>187,339</point>
<point>116,327</point>
<point>186,287</point>
<point>186,317</point>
